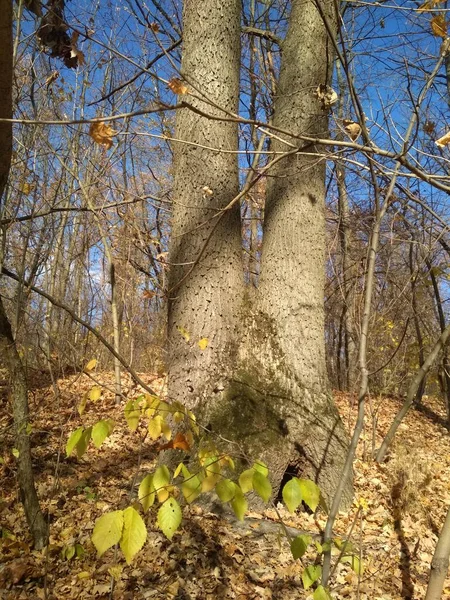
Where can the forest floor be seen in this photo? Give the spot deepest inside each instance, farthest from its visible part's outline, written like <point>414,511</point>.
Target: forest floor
<point>212,557</point>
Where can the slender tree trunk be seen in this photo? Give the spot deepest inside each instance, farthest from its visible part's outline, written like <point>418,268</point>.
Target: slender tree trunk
<point>19,401</point>
<point>445,376</point>
<point>415,308</point>
<point>8,350</point>
<point>412,392</point>
<point>439,564</point>
<point>350,350</point>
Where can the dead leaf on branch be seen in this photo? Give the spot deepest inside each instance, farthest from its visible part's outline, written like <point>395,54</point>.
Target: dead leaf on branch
<point>428,127</point>
<point>177,86</point>
<point>429,5</point>
<point>179,442</point>
<point>102,134</point>
<point>439,26</point>
<point>443,141</point>
<point>352,129</point>
<point>51,78</point>
<point>326,95</point>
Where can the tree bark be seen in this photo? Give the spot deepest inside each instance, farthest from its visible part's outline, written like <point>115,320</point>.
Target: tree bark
<point>19,401</point>
<point>205,293</point>
<point>290,301</point>
<point>262,382</point>
<point>8,350</point>
<point>439,564</point>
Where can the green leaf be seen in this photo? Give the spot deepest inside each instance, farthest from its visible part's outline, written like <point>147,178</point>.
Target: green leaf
<point>15,452</point>
<point>321,593</point>
<point>134,533</point>
<point>261,468</point>
<point>310,493</point>
<point>132,414</point>
<point>73,440</point>
<point>262,486</point>
<point>292,494</point>
<point>100,431</point>
<point>239,503</point>
<point>246,480</point>
<point>354,562</point>
<point>169,517</point>
<point>83,442</point>
<point>107,531</point>
<point>146,493</point>
<point>310,575</point>
<point>191,488</point>
<point>225,489</point>
<point>299,545</point>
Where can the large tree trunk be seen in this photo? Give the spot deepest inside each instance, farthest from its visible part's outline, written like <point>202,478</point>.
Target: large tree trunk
<point>287,359</point>
<point>205,298</point>
<point>262,381</point>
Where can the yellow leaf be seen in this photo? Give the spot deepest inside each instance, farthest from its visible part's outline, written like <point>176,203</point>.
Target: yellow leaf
<point>154,427</point>
<point>27,187</point>
<point>177,86</point>
<point>162,494</point>
<point>443,141</point>
<point>95,393</point>
<point>84,575</point>
<point>439,26</point>
<point>203,343</point>
<point>102,134</point>
<point>185,333</point>
<point>91,365</point>
<point>166,431</point>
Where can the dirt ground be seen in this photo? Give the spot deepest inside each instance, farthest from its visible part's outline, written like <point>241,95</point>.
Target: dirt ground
<point>406,500</point>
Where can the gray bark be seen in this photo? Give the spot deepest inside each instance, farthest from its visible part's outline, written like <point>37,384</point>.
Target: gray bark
<point>262,381</point>
<point>439,564</point>
<point>205,298</point>
<point>291,292</point>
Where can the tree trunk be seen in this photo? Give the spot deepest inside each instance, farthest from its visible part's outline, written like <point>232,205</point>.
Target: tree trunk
<point>19,400</point>
<point>262,382</point>
<point>412,391</point>
<point>439,564</point>
<point>8,350</point>
<point>290,303</point>
<point>205,296</point>
<point>6,70</point>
